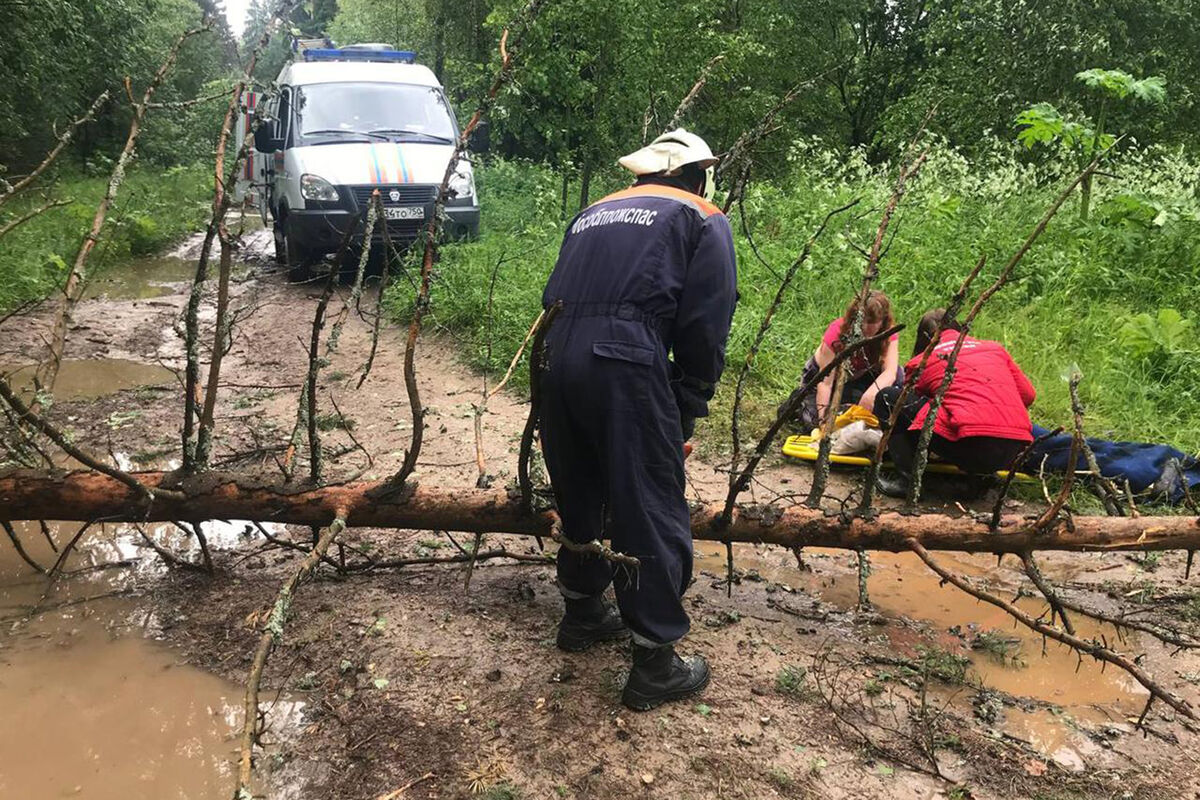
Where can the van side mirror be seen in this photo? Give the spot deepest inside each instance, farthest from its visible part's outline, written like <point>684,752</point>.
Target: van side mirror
<point>480,140</point>
<point>264,138</point>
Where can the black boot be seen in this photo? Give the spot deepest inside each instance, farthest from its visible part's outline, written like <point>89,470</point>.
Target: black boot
<point>895,485</point>
<point>587,621</point>
<point>659,675</point>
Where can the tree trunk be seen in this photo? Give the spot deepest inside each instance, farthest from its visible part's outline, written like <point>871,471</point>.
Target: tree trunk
<point>566,185</point>
<point>91,496</point>
<point>585,186</point>
<point>439,41</point>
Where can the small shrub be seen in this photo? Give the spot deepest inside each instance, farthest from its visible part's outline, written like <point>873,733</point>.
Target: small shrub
<point>330,422</point>
<point>791,680</point>
<point>1001,646</point>
<point>144,234</point>
<point>1191,609</point>
<point>942,664</point>
<point>781,778</point>
<point>503,791</point>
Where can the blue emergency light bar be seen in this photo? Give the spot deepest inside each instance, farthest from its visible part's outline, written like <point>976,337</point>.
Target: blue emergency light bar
<point>336,54</point>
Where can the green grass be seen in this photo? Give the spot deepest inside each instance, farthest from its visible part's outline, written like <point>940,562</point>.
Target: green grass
<point>153,209</point>
<point>1072,294</point>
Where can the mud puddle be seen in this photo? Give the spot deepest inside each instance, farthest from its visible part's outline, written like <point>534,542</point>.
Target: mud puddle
<point>141,279</point>
<point>87,379</point>
<point>94,707</point>
<point>1003,655</point>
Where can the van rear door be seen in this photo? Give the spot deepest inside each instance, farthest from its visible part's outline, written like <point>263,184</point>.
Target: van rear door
<point>251,178</point>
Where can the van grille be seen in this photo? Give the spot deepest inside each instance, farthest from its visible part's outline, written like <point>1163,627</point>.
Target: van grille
<point>400,230</point>
<point>410,194</point>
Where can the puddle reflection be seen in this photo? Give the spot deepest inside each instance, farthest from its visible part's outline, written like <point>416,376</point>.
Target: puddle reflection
<point>93,708</point>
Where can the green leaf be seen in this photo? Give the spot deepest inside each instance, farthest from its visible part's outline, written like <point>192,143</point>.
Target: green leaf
<point>1121,85</point>
<point>381,683</point>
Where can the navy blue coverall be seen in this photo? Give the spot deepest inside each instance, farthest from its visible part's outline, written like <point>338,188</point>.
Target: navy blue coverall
<point>643,274</point>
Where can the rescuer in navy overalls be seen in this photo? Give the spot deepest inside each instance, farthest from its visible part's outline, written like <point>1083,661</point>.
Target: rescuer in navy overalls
<point>647,282</point>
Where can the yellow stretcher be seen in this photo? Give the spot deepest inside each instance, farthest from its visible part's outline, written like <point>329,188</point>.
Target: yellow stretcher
<point>803,447</point>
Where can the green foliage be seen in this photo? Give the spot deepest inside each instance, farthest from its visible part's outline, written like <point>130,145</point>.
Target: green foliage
<point>942,664</point>
<point>1120,85</point>
<point>154,209</point>
<point>1159,337</point>
<point>59,55</point>
<point>1045,124</point>
<point>792,680</point>
<point>503,791</point>
<point>1073,292</point>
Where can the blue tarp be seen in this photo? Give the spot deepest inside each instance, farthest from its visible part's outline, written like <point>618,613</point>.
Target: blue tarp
<point>1154,469</point>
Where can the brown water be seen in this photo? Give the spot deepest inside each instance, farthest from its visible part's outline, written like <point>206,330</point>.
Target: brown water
<point>141,279</point>
<point>87,379</point>
<point>94,708</point>
<point>901,586</point>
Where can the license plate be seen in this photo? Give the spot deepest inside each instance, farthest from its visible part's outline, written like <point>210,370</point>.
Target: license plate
<point>405,212</point>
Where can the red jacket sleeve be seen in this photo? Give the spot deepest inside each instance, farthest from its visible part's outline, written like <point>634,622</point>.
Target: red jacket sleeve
<point>1024,387</point>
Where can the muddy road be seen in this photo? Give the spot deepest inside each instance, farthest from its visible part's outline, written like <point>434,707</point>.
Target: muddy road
<point>127,680</point>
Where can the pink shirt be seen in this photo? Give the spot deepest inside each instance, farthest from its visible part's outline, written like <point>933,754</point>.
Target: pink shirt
<point>858,361</point>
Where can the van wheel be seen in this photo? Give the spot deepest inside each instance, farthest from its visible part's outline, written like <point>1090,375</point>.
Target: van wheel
<point>280,244</point>
<point>299,262</point>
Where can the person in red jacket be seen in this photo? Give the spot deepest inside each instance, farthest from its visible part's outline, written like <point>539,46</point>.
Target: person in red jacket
<point>983,422</point>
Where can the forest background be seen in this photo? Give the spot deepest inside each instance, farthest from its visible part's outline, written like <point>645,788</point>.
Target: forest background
<point>1111,288</point>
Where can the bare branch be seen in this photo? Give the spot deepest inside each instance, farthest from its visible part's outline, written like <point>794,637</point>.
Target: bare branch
<point>537,362</point>
<point>16,542</point>
<point>998,508</point>
<point>194,457</point>
<point>272,634</point>
<point>685,105</point>
<point>908,171</point>
<point>956,303</point>
<point>26,415</point>
<point>764,327</point>
<point>432,234</point>
<point>1091,648</point>
<point>63,140</point>
<point>786,411</point>
<point>37,212</point>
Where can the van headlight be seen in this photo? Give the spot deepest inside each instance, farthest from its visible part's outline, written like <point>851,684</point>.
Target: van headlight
<point>313,187</point>
<point>462,188</point>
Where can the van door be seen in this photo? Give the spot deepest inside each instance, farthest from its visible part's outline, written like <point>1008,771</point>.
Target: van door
<point>250,178</point>
<point>277,176</point>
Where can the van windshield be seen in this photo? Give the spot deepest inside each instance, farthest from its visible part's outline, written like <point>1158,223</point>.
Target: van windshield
<point>376,110</point>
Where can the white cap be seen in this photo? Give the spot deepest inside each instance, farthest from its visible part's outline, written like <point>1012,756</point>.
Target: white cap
<point>668,153</point>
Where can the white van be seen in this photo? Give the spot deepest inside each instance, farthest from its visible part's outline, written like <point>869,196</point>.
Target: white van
<point>342,123</point>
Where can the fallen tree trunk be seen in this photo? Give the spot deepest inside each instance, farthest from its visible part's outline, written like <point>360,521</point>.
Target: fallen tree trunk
<point>91,496</point>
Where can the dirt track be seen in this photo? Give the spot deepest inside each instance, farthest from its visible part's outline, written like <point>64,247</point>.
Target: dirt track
<point>477,694</point>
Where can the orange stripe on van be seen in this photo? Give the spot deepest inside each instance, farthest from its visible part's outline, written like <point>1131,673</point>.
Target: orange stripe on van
<point>656,190</point>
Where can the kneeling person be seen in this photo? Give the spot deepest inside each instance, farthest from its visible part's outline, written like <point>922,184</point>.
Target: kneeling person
<point>983,422</point>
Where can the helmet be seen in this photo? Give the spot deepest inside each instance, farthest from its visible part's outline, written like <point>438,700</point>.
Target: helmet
<point>669,153</point>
